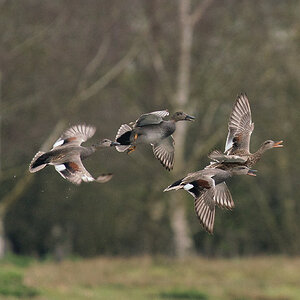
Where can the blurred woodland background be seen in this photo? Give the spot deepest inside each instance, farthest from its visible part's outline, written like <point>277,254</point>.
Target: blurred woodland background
<point>105,63</point>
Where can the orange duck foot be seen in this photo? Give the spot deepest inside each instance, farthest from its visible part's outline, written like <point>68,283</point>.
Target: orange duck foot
<point>131,149</point>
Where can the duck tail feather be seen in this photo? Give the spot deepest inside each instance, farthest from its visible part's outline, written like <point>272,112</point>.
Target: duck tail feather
<point>216,155</point>
<point>38,162</point>
<point>123,129</point>
<point>123,137</point>
<point>122,148</point>
<point>104,178</point>
<point>177,185</point>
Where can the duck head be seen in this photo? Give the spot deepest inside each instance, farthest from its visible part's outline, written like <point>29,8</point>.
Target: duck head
<point>106,143</point>
<point>181,116</point>
<point>243,170</point>
<point>269,144</point>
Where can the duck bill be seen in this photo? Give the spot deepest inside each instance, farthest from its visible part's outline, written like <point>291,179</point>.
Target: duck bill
<point>189,118</point>
<point>114,144</point>
<point>278,144</point>
<point>252,172</point>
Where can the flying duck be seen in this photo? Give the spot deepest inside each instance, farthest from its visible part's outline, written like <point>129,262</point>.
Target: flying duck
<point>209,189</point>
<point>240,128</point>
<point>67,154</point>
<point>152,129</point>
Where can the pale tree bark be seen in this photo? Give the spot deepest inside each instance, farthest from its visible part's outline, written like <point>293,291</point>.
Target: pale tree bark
<point>0,123</point>
<point>182,236</point>
<point>2,239</point>
<point>2,235</point>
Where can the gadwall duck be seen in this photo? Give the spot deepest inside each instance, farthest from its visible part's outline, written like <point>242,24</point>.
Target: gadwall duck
<point>223,196</point>
<point>67,154</point>
<point>240,127</point>
<point>152,129</point>
<point>208,188</point>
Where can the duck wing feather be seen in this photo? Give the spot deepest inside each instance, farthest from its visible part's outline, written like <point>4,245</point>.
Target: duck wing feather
<point>240,126</point>
<point>205,209</point>
<point>164,152</point>
<point>75,135</point>
<point>220,157</point>
<point>223,196</point>
<point>74,171</point>
<point>153,118</point>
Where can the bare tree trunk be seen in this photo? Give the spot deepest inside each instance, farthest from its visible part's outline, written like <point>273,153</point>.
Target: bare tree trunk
<point>182,235</point>
<point>0,123</point>
<point>2,237</point>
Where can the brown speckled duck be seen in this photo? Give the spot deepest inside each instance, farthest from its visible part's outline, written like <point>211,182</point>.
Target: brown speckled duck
<point>67,154</point>
<point>240,128</point>
<point>152,129</point>
<point>209,189</point>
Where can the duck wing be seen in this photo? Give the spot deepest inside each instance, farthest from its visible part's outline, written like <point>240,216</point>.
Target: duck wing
<point>220,157</point>
<point>164,152</point>
<point>206,202</point>
<point>75,135</point>
<point>240,126</point>
<point>74,171</point>
<point>202,188</point>
<point>223,196</point>
<point>207,195</point>
<point>153,118</point>
<point>205,209</point>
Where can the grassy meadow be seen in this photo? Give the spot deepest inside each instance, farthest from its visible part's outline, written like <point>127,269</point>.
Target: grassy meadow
<point>259,278</point>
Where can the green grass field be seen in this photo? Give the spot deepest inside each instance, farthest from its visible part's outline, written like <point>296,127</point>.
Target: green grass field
<point>259,278</point>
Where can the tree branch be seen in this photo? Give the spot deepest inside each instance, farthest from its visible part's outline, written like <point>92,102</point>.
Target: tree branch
<point>158,62</point>
<point>109,76</point>
<point>95,62</point>
<point>30,40</point>
<point>84,95</point>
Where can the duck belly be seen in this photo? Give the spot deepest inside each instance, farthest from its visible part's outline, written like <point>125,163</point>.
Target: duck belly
<point>149,134</point>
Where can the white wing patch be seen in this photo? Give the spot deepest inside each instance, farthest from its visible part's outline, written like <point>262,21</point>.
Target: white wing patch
<point>74,171</point>
<point>58,143</point>
<point>188,187</point>
<point>60,168</point>
<point>86,178</point>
